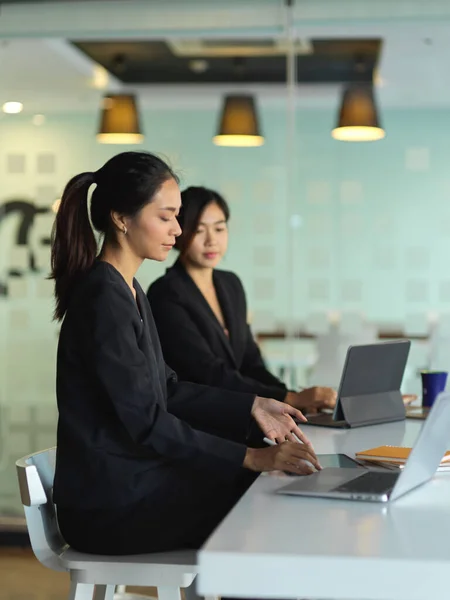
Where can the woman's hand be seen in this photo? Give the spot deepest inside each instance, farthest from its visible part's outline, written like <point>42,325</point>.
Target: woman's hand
<point>312,400</point>
<point>288,456</point>
<point>408,398</point>
<point>276,420</point>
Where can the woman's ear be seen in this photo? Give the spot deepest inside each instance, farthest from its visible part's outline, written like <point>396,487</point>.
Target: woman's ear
<point>118,221</point>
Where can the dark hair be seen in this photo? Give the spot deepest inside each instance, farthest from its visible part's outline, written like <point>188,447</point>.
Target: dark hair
<point>125,184</point>
<point>194,200</point>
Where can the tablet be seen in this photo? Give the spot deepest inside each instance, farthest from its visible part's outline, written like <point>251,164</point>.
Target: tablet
<point>338,460</point>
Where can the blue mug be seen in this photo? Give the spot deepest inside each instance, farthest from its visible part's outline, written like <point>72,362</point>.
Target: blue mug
<point>433,383</point>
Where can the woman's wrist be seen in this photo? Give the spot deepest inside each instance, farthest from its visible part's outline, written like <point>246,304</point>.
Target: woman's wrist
<point>249,459</point>
<point>255,405</point>
<point>289,398</point>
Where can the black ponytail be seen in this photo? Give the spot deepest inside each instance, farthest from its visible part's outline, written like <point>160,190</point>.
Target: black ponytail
<point>74,247</point>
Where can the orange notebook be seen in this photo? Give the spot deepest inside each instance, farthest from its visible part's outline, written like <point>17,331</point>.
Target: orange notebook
<point>393,454</point>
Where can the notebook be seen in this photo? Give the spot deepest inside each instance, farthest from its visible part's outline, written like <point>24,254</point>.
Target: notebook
<point>397,455</point>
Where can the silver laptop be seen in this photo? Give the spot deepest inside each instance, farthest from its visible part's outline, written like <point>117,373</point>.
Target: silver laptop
<point>384,486</point>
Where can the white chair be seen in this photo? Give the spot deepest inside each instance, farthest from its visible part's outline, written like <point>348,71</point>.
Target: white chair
<point>418,360</point>
<point>417,324</point>
<point>331,352</point>
<point>289,359</point>
<point>92,576</point>
<point>317,323</point>
<point>440,343</point>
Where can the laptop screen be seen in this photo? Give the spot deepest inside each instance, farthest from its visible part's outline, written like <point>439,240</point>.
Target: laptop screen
<point>372,369</point>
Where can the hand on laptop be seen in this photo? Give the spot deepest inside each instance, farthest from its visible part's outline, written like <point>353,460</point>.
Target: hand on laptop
<point>313,399</point>
<point>288,456</point>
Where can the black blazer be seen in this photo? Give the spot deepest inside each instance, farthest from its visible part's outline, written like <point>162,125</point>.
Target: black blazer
<point>126,427</point>
<point>194,342</point>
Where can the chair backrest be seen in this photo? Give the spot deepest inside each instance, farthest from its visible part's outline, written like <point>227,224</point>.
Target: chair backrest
<point>35,473</point>
<point>439,348</point>
<point>331,353</point>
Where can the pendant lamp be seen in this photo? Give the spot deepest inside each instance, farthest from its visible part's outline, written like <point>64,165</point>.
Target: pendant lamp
<point>239,125</point>
<point>119,123</point>
<point>358,116</point>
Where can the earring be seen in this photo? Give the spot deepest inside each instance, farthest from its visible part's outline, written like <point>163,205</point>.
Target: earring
<point>124,230</point>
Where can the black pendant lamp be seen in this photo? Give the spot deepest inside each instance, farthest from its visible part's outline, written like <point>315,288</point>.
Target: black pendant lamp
<point>119,123</point>
<point>239,123</point>
<point>358,116</point>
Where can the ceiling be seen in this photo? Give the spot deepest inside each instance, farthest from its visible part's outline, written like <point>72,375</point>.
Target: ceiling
<point>45,1</point>
<point>48,73</point>
<point>233,60</point>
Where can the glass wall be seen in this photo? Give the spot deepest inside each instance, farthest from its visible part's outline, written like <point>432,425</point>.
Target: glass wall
<point>369,222</point>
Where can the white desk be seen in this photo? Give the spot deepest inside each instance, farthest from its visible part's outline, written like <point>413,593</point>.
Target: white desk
<point>273,546</point>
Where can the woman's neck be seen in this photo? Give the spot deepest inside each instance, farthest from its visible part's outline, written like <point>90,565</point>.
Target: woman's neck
<point>202,276</point>
<point>126,263</point>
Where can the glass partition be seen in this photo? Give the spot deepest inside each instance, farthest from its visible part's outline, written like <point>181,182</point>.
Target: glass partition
<point>355,233</point>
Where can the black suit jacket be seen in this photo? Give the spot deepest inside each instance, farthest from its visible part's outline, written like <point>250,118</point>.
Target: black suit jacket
<point>126,426</point>
<point>194,342</point>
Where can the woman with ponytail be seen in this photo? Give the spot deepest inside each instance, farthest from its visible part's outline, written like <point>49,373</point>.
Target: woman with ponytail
<point>144,463</point>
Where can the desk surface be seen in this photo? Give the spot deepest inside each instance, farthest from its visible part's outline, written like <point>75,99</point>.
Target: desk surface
<point>382,334</point>
<point>290,547</point>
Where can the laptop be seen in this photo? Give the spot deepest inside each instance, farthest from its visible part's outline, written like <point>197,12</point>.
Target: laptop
<point>369,391</point>
<point>385,486</point>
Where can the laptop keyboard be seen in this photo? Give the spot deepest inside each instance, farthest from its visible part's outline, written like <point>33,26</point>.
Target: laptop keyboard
<point>373,482</point>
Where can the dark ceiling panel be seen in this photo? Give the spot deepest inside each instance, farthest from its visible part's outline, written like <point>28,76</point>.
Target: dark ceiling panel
<point>44,1</point>
<point>153,62</point>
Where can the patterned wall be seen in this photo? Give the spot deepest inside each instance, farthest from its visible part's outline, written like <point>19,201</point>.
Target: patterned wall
<point>27,414</point>
<point>367,229</point>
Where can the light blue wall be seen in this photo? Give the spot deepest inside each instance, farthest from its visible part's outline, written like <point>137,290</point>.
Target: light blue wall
<point>374,217</point>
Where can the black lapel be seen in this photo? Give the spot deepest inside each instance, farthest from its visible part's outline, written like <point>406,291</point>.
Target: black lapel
<point>203,305</point>
<point>227,302</point>
<point>151,333</point>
